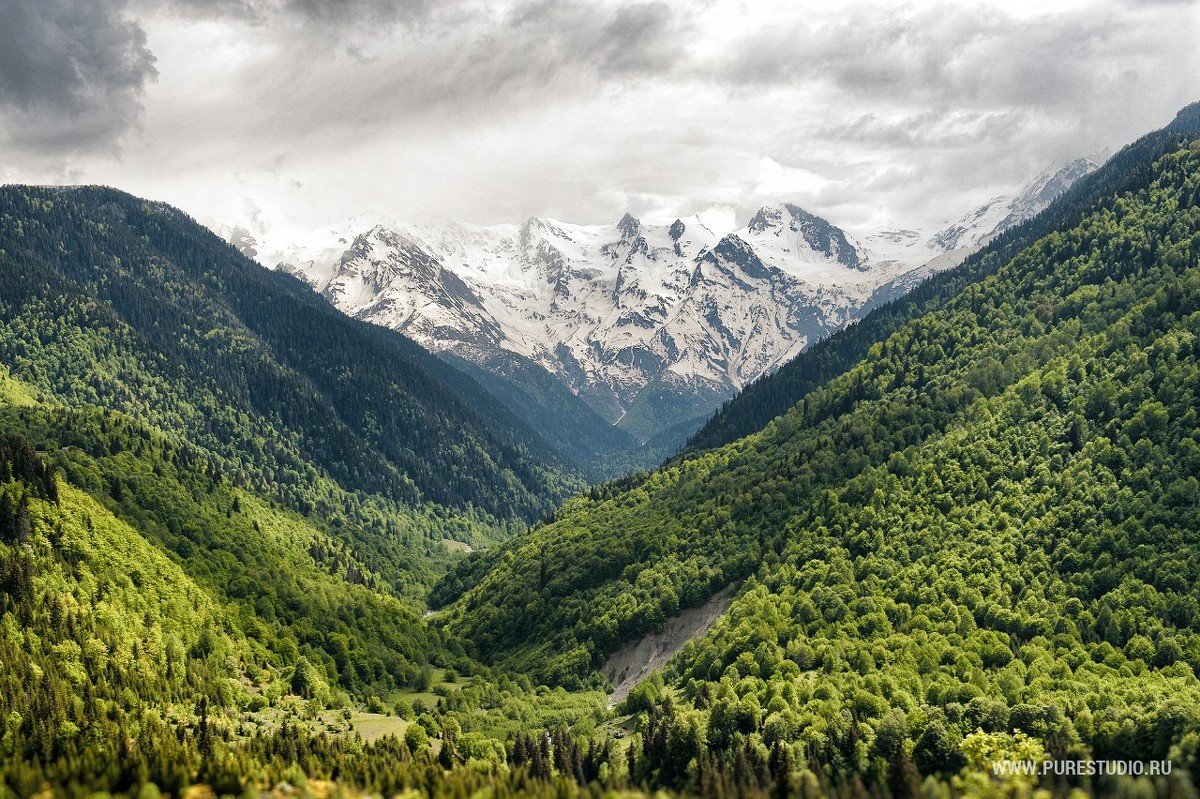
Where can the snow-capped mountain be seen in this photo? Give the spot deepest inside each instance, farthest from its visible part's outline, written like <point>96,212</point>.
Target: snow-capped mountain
<point>650,324</point>
<point>977,228</point>
<point>613,309</point>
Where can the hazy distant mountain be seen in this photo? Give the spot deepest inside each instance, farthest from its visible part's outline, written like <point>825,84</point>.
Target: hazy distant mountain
<point>978,227</point>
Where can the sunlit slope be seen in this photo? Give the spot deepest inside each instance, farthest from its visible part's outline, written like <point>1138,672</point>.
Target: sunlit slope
<point>295,585</point>
<point>1017,468</point>
<point>163,625</point>
<point>104,639</point>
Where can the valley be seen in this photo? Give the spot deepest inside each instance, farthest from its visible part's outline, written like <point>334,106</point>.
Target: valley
<point>250,545</point>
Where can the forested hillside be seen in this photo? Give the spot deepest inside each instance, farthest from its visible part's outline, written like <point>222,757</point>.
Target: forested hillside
<point>567,422</point>
<point>111,300</point>
<point>125,675</point>
<point>987,525</point>
<point>221,506</point>
<point>176,609</point>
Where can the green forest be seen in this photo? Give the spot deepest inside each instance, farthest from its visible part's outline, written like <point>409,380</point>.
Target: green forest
<point>235,526</point>
<point>996,508</point>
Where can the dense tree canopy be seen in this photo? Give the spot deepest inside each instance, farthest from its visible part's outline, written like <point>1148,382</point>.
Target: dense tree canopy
<point>112,301</point>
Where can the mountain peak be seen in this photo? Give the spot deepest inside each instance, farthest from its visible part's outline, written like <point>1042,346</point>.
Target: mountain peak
<point>536,233</point>
<point>1044,188</point>
<point>815,233</point>
<point>734,251</point>
<point>976,228</point>
<point>616,309</point>
<point>767,218</point>
<point>629,226</point>
<point>1187,120</point>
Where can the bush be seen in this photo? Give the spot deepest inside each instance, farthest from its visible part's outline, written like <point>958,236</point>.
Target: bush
<point>415,738</point>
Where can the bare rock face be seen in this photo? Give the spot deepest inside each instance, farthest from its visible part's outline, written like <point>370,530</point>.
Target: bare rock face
<point>635,661</point>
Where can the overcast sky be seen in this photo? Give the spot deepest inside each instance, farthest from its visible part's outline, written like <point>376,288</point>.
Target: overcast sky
<point>287,115</point>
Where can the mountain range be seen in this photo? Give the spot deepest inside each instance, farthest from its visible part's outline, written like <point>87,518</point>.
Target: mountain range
<point>236,529</point>
<point>651,325</point>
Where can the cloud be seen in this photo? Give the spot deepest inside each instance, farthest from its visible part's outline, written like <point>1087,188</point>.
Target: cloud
<point>310,111</point>
<point>930,128</point>
<point>640,38</point>
<point>962,55</point>
<point>72,75</point>
<point>461,66</point>
<point>557,43</point>
<point>341,12</point>
<point>326,15</point>
<point>964,98</point>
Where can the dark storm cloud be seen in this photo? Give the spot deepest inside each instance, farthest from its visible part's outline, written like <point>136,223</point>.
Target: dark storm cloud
<point>331,15</point>
<point>205,9</point>
<point>633,39</point>
<point>640,38</point>
<point>71,74</point>
<point>342,12</point>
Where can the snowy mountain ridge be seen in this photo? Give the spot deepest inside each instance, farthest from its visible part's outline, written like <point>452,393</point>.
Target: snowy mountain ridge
<point>650,324</point>
<point>977,228</point>
<point>610,309</point>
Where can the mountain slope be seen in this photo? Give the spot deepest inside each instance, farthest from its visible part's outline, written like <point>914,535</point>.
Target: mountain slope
<point>611,310</point>
<point>145,602</point>
<point>989,220</point>
<point>652,325</point>
<point>208,555</point>
<point>130,671</point>
<point>67,656</point>
<point>321,586</point>
<point>568,424</point>
<point>988,524</point>
<point>175,327</point>
<point>284,456</point>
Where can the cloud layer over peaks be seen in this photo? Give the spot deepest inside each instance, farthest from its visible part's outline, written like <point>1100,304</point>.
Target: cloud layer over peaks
<point>293,113</point>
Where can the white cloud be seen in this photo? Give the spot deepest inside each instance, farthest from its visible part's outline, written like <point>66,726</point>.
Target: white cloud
<point>281,115</point>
